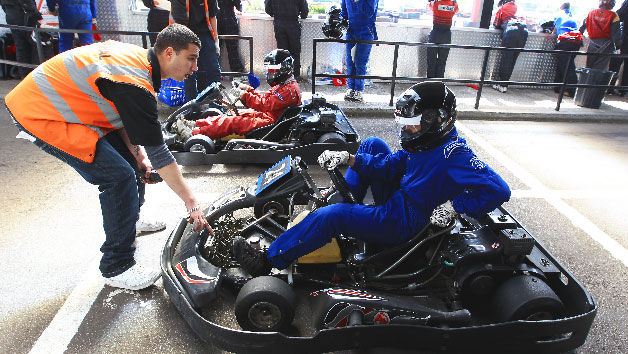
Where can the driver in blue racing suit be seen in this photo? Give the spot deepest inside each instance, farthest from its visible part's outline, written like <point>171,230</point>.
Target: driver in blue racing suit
<point>435,176</point>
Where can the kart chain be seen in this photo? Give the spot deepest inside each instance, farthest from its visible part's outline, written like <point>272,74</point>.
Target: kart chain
<point>218,247</point>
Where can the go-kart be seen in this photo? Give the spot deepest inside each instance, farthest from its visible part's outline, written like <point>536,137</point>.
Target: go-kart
<point>305,130</point>
<point>477,285</point>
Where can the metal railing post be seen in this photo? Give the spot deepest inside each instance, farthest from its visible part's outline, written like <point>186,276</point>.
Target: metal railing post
<point>394,74</point>
<point>482,76</point>
<point>314,66</point>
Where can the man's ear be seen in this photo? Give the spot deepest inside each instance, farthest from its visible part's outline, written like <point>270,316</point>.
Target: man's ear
<point>169,53</point>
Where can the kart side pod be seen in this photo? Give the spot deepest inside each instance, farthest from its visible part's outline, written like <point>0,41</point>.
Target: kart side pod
<point>340,307</point>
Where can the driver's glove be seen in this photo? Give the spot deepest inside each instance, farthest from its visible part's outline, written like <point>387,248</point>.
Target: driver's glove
<point>235,93</point>
<point>239,84</point>
<point>332,159</point>
<point>443,214</point>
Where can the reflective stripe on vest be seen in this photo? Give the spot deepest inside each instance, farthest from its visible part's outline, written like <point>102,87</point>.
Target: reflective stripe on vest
<point>187,12</point>
<point>59,101</point>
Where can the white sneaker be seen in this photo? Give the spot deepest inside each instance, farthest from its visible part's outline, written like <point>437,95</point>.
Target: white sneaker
<point>496,88</point>
<point>357,96</point>
<point>134,278</point>
<point>349,95</point>
<point>143,225</point>
<point>503,89</point>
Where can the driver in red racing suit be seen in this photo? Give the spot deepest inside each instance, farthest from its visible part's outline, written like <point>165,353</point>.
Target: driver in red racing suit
<point>268,106</point>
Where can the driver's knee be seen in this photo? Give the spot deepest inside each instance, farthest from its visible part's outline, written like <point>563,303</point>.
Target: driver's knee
<point>373,146</point>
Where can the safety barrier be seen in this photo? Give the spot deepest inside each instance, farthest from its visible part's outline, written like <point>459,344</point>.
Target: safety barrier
<point>144,35</point>
<point>481,82</point>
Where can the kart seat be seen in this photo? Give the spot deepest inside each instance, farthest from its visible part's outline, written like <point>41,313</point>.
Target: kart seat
<point>279,128</point>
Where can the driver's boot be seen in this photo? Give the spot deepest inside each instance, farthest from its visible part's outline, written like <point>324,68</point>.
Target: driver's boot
<point>184,128</point>
<point>253,260</point>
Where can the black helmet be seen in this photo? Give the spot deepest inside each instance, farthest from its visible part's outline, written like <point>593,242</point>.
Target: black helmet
<point>46,38</point>
<point>278,66</point>
<point>334,26</point>
<point>607,3</point>
<point>432,105</point>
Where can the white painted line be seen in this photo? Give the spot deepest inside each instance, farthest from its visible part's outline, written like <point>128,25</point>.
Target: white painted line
<point>577,219</point>
<point>65,324</point>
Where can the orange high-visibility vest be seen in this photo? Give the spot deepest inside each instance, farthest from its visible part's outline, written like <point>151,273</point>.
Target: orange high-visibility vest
<point>59,101</point>
<point>187,11</point>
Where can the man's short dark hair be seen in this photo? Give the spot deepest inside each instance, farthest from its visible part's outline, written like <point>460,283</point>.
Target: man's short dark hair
<point>565,6</point>
<point>176,36</point>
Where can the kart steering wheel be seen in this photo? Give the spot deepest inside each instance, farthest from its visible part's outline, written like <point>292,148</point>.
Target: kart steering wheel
<point>228,101</point>
<point>341,185</point>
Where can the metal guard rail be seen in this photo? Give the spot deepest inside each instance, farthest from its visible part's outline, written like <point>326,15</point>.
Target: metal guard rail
<point>40,50</point>
<point>393,78</point>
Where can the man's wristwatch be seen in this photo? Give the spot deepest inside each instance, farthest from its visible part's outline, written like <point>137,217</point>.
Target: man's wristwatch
<point>190,211</point>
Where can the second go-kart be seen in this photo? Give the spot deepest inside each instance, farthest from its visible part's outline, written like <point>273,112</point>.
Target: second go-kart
<point>305,130</point>
<point>478,285</point>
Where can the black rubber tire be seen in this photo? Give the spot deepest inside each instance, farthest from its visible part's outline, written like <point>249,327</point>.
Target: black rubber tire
<point>200,143</point>
<point>265,304</point>
<point>332,138</point>
<point>526,297</point>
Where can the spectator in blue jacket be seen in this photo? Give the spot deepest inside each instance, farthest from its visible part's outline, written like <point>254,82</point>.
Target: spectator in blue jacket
<point>74,14</point>
<point>568,38</point>
<point>361,15</point>
<point>435,176</point>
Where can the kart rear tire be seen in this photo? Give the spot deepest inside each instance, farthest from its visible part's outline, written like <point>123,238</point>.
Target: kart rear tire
<point>527,298</point>
<point>332,138</point>
<point>265,304</point>
<point>200,143</point>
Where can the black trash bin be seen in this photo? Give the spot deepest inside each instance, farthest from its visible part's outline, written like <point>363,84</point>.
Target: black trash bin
<point>592,97</point>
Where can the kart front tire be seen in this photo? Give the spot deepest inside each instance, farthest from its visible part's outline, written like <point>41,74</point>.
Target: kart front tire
<point>200,143</point>
<point>332,138</point>
<point>527,298</point>
<point>265,304</point>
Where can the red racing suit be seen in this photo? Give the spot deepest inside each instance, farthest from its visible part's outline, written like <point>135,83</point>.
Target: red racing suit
<point>504,14</point>
<point>268,106</point>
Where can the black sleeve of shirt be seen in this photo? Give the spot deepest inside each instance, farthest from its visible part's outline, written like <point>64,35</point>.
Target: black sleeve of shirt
<point>137,109</point>
<point>213,8</point>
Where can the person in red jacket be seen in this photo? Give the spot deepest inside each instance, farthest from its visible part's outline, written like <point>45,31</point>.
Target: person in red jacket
<point>444,11</point>
<point>604,33</point>
<point>267,107</point>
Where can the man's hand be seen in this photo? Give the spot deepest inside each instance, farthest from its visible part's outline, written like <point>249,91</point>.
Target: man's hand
<point>198,220</point>
<point>332,159</point>
<point>240,85</point>
<point>145,167</point>
<point>443,214</point>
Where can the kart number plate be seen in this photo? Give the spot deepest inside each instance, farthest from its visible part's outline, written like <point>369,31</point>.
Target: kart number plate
<point>273,174</point>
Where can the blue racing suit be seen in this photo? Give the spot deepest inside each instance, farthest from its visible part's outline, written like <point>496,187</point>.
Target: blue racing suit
<point>361,15</point>
<point>74,14</point>
<point>406,188</point>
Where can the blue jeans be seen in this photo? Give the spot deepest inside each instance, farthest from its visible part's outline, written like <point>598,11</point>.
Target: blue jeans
<point>119,200</point>
<point>357,65</point>
<point>208,68</point>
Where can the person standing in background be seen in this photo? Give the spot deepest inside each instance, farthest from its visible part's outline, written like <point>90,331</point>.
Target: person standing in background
<point>444,11</point>
<point>602,24</point>
<point>200,17</point>
<point>617,62</point>
<point>361,15</point>
<point>228,24</point>
<point>515,35</point>
<point>158,17</point>
<point>22,13</point>
<point>286,15</point>
<point>568,39</point>
<point>74,14</point>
